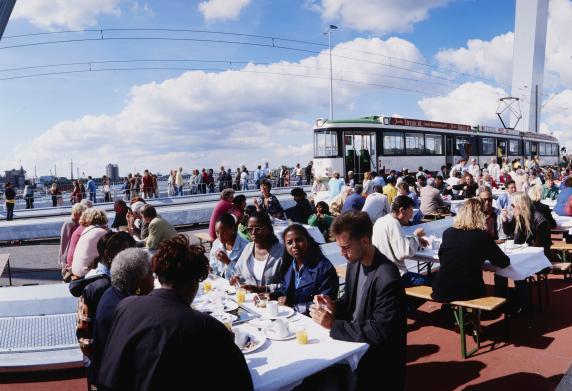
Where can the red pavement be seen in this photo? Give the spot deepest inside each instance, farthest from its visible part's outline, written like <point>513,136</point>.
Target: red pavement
<point>538,354</point>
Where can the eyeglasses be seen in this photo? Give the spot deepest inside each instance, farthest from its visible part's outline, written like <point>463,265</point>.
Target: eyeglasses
<point>255,229</point>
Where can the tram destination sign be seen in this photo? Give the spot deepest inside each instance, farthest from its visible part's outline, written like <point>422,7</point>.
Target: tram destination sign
<point>418,123</point>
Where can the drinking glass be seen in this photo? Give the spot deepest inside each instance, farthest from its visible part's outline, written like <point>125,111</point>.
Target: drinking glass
<point>302,336</point>
<point>240,295</point>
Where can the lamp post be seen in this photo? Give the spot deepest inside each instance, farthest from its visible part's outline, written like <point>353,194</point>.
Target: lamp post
<point>329,32</point>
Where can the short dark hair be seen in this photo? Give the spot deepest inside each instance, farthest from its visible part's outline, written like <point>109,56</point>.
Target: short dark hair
<point>149,211</point>
<point>227,220</point>
<point>357,224</point>
<point>403,185</point>
<point>298,192</point>
<point>568,182</point>
<point>179,264</point>
<point>391,179</point>
<point>239,199</point>
<point>509,182</point>
<point>265,182</point>
<point>378,189</point>
<point>118,242</point>
<point>325,207</point>
<point>401,202</point>
<point>358,189</point>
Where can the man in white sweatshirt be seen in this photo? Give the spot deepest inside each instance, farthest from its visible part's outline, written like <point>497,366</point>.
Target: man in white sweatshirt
<point>392,242</point>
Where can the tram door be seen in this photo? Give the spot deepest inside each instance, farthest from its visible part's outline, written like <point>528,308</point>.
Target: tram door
<point>501,151</point>
<point>360,152</point>
<point>534,149</point>
<point>449,151</point>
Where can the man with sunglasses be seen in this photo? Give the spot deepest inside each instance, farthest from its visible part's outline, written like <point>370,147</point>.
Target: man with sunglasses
<point>492,222</point>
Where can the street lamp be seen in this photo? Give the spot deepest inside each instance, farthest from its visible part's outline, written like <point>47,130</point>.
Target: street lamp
<point>329,33</point>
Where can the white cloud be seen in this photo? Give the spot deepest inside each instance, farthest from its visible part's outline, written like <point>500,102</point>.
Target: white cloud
<point>201,118</point>
<point>557,117</point>
<point>213,10</point>
<point>379,16</point>
<point>470,103</point>
<point>76,14</point>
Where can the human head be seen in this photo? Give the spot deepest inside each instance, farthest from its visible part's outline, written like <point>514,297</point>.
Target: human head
<point>93,216</point>
<point>493,160</point>
<point>260,229</point>
<point>522,207</point>
<point>568,182</point>
<point>87,203</point>
<point>322,207</point>
<point>474,161</point>
<point>358,189</point>
<point>403,188</point>
<point>131,272</point>
<point>227,195</point>
<point>402,209</point>
<point>120,207</point>
<point>378,189</point>
<point>510,186</point>
<point>239,201</point>
<point>535,193</point>
<point>299,245</point>
<point>336,175</point>
<point>438,181</point>
<point>101,244</point>
<point>352,231</point>
<point>249,210</point>
<point>298,193</point>
<point>148,213</point>
<point>470,216</point>
<point>117,242</point>
<point>225,228</point>
<point>180,267</point>
<point>367,175</point>
<point>431,182</point>
<point>265,187</point>
<point>76,211</point>
<point>486,197</point>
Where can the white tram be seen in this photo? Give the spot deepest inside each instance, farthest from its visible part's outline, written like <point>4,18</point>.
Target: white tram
<point>378,143</point>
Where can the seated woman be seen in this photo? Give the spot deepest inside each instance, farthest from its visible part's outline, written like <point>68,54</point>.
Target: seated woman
<point>267,202</point>
<point>156,332</point>
<point>86,250</point>
<point>465,247</point>
<point>306,272</point>
<point>467,188</point>
<point>130,275</point>
<point>120,221</point>
<point>238,206</point>
<point>227,248</point>
<point>261,260</point>
<point>535,194</point>
<point>563,205</point>
<point>322,219</point>
<point>249,210</point>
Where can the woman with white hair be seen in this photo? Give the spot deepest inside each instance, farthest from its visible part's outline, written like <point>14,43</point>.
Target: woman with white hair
<point>130,275</point>
<point>95,223</point>
<point>68,229</point>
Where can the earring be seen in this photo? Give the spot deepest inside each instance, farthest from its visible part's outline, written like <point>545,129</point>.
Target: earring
<point>138,291</point>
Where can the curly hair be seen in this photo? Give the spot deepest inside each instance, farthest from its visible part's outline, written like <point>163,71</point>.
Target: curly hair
<point>178,263</point>
<point>93,216</point>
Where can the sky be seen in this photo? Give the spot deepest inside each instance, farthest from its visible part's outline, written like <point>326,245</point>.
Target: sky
<point>160,84</point>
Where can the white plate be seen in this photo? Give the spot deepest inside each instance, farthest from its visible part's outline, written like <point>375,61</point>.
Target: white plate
<point>258,337</point>
<point>224,317</point>
<point>271,335</point>
<point>283,312</point>
<point>203,306</point>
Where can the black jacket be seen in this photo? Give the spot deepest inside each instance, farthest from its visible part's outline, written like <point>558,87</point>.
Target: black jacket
<point>539,237</point>
<point>301,212</point>
<point>157,342</point>
<point>461,256</point>
<point>546,212</point>
<point>381,322</point>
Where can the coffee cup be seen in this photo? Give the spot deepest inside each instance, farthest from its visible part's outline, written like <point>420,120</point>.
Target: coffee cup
<point>280,328</point>
<point>509,244</point>
<point>272,308</point>
<point>240,338</point>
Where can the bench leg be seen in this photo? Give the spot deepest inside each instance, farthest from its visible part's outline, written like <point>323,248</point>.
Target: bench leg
<point>459,313</point>
<point>9,273</point>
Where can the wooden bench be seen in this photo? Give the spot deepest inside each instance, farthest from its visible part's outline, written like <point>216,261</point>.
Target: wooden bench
<point>5,262</point>
<point>203,237</point>
<point>341,271</point>
<point>489,303</point>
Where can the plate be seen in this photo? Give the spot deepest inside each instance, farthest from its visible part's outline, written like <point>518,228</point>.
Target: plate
<point>271,335</point>
<point>224,317</point>
<point>283,312</point>
<point>258,339</point>
<point>209,306</point>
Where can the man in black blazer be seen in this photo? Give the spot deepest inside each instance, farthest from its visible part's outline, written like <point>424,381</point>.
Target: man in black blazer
<point>373,308</point>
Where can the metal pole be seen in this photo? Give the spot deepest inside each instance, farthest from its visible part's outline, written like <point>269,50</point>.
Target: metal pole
<point>331,75</point>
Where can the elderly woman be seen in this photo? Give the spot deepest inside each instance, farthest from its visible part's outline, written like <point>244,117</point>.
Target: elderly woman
<point>260,261</point>
<point>151,334</point>
<point>68,229</point>
<point>267,202</point>
<point>84,221</point>
<point>86,249</point>
<point>337,203</point>
<point>465,247</point>
<point>130,275</point>
<point>222,206</point>
<point>227,248</point>
<point>306,272</point>
<point>335,184</point>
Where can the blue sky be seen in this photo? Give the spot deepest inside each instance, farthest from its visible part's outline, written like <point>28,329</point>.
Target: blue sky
<point>160,119</point>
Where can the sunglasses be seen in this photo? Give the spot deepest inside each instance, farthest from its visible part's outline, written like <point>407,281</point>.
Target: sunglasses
<point>255,230</point>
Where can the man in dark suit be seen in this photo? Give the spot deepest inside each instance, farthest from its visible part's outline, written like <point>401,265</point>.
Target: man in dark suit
<point>373,308</point>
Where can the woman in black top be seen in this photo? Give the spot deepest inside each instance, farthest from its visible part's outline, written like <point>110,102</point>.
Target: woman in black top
<point>535,194</point>
<point>10,196</point>
<point>466,246</point>
<point>468,187</point>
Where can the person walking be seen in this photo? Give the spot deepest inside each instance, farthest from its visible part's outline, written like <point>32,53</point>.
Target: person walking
<point>29,194</point>
<point>92,188</point>
<point>106,189</point>
<point>55,193</point>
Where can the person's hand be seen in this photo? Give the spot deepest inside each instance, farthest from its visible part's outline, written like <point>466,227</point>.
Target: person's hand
<point>254,288</point>
<point>423,242</point>
<point>326,302</point>
<point>322,316</point>
<point>504,214</point>
<point>234,280</point>
<point>282,300</point>
<point>419,232</point>
<point>222,256</point>
<point>255,201</point>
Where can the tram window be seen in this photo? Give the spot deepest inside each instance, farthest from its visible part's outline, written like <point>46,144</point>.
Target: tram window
<point>542,151</point>
<point>527,148</point>
<point>392,143</point>
<point>554,149</point>
<point>325,144</point>
<point>434,144</point>
<point>514,147</point>
<point>460,141</point>
<point>414,144</point>
<point>487,146</point>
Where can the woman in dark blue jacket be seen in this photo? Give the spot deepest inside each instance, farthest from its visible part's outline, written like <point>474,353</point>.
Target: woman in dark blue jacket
<point>306,272</point>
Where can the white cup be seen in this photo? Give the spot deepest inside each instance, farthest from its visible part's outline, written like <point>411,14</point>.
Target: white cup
<point>280,328</point>
<point>272,308</point>
<point>240,338</point>
<point>509,244</point>
<point>436,244</point>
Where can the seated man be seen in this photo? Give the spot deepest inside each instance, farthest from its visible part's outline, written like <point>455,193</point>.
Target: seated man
<point>431,200</point>
<point>159,229</point>
<point>392,242</point>
<point>301,212</point>
<point>504,199</point>
<point>355,201</point>
<point>404,188</point>
<point>376,204</point>
<point>372,309</point>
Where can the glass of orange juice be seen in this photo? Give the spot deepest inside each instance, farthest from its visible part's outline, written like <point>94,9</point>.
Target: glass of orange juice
<point>302,336</point>
<point>240,295</point>
<point>207,286</point>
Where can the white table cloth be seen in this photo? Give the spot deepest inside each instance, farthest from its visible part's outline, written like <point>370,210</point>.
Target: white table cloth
<point>550,203</point>
<point>563,222</point>
<point>313,231</point>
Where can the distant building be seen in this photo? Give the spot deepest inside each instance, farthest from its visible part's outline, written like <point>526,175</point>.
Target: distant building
<point>16,177</point>
<point>112,172</point>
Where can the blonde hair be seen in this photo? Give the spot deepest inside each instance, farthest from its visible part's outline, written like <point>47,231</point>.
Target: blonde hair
<point>471,216</point>
<point>78,209</point>
<point>535,193</point>
<point>522,212</point>
<point>93,216</point>
<point>367,175</point>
